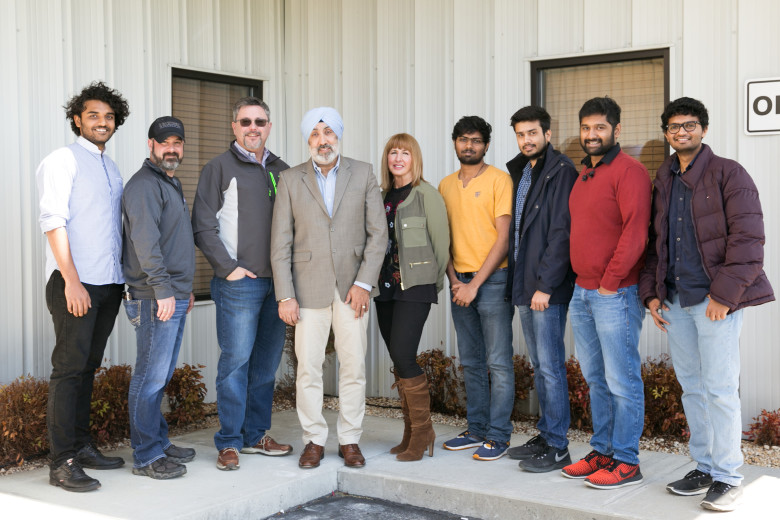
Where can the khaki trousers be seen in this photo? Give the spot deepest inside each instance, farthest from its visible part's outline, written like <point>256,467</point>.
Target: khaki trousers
<point>311,336</point>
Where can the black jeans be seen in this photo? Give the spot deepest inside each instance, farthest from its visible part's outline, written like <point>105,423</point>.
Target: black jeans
<point>401,325</point>
<point>78,352</point>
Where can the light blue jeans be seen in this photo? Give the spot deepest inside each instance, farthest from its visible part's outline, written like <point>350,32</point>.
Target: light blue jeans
<point>543,332</point>
<point>251,337</point>
<point>606,336</point>
<point>157,349</point>
<point>484,331</point>
<point>705,355</point>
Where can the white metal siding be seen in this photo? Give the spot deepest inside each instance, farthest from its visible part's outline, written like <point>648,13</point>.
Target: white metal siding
<point>388,66</point>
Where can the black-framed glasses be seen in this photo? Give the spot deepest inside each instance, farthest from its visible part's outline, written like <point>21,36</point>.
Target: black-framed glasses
<point>476,141</point>
<point>258,122</point>
<point>689,126</point>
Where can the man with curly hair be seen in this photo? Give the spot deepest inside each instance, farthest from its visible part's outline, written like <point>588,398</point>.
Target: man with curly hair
<point>80,192</point>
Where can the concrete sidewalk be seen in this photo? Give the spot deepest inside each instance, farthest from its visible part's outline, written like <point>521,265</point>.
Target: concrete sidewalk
<point>450,481</point>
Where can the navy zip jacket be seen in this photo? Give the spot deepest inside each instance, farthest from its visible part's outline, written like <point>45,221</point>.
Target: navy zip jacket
<point>543,252</point>
<point>729,226</point>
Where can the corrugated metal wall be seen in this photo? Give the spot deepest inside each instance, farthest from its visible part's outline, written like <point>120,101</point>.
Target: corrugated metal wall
<point>388,66</point>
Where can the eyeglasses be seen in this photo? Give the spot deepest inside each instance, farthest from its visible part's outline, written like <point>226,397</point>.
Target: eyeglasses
<point>689,126</point>
<point>473,140</point>
<point>258,122</point>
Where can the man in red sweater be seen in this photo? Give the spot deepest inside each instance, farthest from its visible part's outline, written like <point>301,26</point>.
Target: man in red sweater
<point>610,215</point>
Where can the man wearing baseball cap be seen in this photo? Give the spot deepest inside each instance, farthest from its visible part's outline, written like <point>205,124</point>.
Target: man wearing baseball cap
<point>158,259</point>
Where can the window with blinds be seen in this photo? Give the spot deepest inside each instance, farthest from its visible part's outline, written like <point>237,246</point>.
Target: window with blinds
<point>204,104</point>
<point>638,81</point>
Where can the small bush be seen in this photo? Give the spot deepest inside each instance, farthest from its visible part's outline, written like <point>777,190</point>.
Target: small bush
<point>524,383</point>
<point>766,429</point>
<point>664,413</point>
<point>186,392</point>
<point>109,419</point>
<point>579,396</point>
<point>445,383</point>
<point>23,420</point>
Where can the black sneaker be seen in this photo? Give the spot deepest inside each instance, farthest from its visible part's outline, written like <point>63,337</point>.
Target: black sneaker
<point>722,497</point>
<point>70,477</point>
<point>89,457</point>
<point>179,455</point>
<point>162,469</point>
<point>535,446</point>
<point>694,483</point>
<point>551,458</point>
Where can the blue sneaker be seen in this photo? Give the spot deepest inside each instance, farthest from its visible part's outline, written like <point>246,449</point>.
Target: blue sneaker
<point>491,450</point>
<point>463,441</point>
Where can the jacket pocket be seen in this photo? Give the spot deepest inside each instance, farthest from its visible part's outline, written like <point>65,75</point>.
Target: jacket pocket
<point>414,232</point>
<point>301,256</point>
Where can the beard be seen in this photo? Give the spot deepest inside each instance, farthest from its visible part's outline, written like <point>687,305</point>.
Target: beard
<point>169,162</point>
<point>604,146</point>
<point>474,159</point>
<point>325,154</point>
<point>536,155</point>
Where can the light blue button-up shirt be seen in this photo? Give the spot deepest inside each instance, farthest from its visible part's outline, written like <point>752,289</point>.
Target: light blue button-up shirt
<point>251,155</point>
<point>80,189</point>
<point>327,184</point>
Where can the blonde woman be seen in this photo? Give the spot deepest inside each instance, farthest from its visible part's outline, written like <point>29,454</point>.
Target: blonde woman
<point>409,282</point>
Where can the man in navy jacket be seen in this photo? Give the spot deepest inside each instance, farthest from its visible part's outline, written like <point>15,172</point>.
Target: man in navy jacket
<point>541,280</point>
<point>704,264</point>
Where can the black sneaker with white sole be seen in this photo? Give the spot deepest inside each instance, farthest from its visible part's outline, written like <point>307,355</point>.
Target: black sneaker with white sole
<point>722,497</point>
<point>551,458</point>
<point>178,454</point>
<point>535,446</point>
<point>693,483</point>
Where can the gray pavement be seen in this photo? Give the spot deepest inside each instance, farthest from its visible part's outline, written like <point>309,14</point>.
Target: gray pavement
<point>450,481</point>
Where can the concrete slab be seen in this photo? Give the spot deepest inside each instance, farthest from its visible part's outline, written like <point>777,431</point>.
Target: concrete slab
<point>449,481</point>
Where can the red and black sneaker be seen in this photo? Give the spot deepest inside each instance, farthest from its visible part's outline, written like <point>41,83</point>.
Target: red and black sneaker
<point>590,464</point>
<point>617,475</point>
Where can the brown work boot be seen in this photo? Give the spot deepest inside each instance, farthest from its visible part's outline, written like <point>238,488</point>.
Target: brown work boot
<point>407,423</point>
<point>227,459</point>
<point>311,456</point>
<point>351,455</point>
<point>419,402</point>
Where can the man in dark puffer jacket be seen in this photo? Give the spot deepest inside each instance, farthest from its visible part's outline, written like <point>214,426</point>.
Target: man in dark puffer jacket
<point>704,264</point>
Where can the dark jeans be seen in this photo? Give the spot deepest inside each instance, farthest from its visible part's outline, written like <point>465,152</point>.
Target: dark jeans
<point>78,352</point>
<point>401,325</point>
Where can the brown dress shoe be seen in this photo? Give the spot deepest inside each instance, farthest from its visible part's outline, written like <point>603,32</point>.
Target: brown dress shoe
<point>351,455</point>
<point>311,456</point>
<point>227,459</point>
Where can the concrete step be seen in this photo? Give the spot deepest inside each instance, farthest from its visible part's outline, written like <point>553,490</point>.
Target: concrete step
<point>449,481</point>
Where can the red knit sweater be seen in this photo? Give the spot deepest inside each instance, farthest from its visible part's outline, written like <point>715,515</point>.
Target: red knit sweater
<point>610,215</point>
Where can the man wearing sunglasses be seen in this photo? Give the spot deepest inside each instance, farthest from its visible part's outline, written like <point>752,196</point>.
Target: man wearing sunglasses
<point>704,264</point>
<point>231,221</point>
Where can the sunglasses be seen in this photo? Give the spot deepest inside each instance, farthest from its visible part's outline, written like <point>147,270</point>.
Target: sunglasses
<point>258,122</point>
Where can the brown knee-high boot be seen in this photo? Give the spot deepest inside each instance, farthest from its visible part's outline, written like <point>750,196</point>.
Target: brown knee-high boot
<point>405,409</point>
<point>419,402</point>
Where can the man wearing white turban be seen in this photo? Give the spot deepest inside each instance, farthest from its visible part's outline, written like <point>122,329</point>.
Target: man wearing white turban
<point>328,240</point>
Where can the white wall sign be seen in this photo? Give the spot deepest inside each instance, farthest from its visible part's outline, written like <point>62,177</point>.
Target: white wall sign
<point>763,106</point>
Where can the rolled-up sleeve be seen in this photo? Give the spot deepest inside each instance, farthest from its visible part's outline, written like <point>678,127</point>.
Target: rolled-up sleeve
<point>55,177</point>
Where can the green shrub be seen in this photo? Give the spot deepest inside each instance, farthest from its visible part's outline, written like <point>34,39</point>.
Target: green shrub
<point>664,413</point>
<point>186,392</point>
<point>23,420</point>
<point>109,418</point>
<point>445,383</point>
<point>766,429</point>
<point>579,396</point>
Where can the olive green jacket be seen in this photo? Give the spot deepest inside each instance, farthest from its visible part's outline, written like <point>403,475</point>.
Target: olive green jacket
<point>423,237</point>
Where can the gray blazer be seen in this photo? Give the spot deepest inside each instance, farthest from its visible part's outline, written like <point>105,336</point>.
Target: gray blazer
<point>311,253</point>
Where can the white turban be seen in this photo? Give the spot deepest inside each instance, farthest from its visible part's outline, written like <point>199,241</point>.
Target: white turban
<point>327,115</point>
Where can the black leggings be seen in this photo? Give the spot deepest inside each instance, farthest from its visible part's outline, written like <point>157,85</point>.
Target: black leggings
<point>401,325</point>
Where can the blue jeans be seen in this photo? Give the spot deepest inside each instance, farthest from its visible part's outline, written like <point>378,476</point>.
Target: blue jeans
<point>705,355</point>
<point>251,337</point>
<point>606,336</point>
<point>157,348</point>
<point>484,331</point>
<point>543,332</point>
